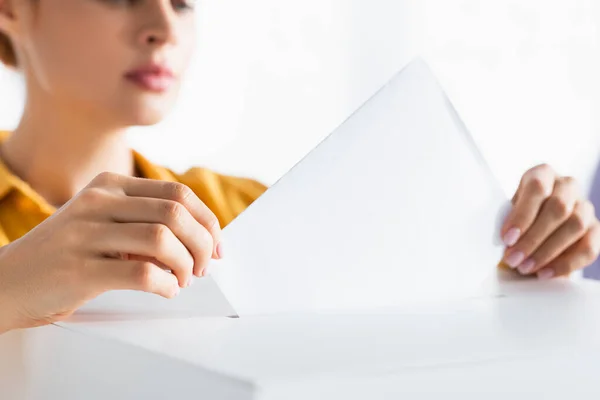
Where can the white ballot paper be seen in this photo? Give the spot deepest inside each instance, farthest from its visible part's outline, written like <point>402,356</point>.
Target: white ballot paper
<point>396,206</point>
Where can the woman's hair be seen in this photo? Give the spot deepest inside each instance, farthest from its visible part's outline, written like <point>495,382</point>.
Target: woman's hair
<point>7,52</point>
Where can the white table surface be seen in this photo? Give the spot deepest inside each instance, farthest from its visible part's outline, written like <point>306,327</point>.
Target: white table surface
<point>529,339</point>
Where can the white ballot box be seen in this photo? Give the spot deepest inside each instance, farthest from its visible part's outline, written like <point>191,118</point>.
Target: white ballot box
<point>367,272</point>
<point>532,340</point>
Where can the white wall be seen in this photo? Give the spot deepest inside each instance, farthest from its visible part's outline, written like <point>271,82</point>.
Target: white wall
<point>524,76</point>
<point>273,77</point>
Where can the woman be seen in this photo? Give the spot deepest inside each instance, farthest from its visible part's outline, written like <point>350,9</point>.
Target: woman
<point>76,218</point>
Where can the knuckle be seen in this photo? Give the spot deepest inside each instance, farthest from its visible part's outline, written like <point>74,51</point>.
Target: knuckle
<point>569,181</point>
<point>558,206</point>
<point>204,249</point>
<point>213,222</point>
<point>543,168</point>
<point>143,275</point>
<point>537,186</point>
<point>178,192</point>
<point>171,211</point>
<point>578,223</point>
<point>91,196</point>
<point>157,235</point>
<point>590,253</point>
<point>104,179</point>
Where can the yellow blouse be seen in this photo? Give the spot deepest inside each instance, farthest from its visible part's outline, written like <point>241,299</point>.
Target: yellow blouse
<point>21,208</point>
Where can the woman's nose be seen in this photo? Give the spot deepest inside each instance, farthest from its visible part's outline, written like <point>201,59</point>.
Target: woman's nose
<point>158,24</point>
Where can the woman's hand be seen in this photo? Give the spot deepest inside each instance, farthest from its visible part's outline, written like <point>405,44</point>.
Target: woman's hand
<point>551,230</point>
<point>117,233</point>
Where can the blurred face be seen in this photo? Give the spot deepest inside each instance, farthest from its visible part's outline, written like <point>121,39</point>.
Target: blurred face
<point>121,60</point>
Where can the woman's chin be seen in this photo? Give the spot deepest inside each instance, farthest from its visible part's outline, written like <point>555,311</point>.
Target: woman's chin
<point>148,120</point>
<point>142,119</point>
<point>145,114</point>
<point>143,108</point>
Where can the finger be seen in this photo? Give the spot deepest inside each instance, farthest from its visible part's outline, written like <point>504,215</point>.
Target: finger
<point>174,191</point>
<point>175,216</point>
<point>135,257</point>
<point>562,239</point>
<point>536,185</point>
<point>149,240</point>
<point>579,256</point>
<point>555,210</point>
<point>111,274</point>
<point>516,196</point>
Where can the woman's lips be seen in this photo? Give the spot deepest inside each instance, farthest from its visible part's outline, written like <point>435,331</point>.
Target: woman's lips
<point>152,78</point>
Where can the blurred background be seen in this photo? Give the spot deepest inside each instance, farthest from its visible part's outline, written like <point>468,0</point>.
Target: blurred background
<point>272,78</point>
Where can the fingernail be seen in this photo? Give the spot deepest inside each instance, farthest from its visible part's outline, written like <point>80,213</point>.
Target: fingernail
<point>220,250</point>
<point>515,259</point>
<point>527,267</point>
<point>512,237</point>
<point>190,282</point>
<point>177,291</point>
<point>545,274</point>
